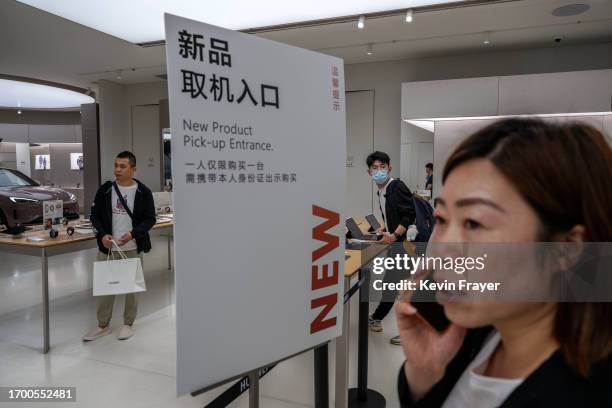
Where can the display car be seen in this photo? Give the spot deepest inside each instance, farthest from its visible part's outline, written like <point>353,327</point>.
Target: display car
<point>21,200</point>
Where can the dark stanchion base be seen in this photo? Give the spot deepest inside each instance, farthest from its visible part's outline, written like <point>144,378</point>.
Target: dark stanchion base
<point>374,399</point>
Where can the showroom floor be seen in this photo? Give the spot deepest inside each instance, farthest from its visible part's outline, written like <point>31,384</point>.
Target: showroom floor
<point>139,372</point>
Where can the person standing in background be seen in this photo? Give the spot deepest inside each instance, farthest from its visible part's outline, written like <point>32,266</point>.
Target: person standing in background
<point>122,214</point>
<point>429,179</point>
<point>397,208</point>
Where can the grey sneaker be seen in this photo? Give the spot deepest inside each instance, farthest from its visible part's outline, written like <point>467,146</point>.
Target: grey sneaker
<point>125,332</point>
<point>375,325</point>
<point>96,333</point>
<point>396,341</point>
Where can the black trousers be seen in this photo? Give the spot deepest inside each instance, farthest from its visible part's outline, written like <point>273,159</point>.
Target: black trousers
<point>392,275</point>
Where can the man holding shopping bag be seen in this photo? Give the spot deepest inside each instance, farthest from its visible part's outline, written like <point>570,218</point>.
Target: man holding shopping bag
<point>122,214</point>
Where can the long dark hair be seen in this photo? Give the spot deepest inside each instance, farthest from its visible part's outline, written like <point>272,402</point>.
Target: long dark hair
<point>564,172</point>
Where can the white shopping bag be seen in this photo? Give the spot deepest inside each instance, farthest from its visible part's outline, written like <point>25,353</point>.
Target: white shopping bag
<point>118,276</point>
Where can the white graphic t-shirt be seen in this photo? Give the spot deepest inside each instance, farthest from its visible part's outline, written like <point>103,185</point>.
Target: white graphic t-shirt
<point>122,222</point>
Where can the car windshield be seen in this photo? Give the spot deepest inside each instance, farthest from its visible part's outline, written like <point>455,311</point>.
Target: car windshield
<point>10,179</point>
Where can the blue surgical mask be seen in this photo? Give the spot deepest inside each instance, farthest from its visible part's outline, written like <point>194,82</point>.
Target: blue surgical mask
<point>380,176</point>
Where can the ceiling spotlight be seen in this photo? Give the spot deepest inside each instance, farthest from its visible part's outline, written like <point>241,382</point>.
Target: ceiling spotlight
<point>487,38</point>
<point>361,22</point>
<point>370,49</point>
<point>409,15</point>
<point>119,77</point>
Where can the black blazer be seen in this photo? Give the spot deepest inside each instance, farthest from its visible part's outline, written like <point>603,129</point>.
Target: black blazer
<point>399,207</point>
<point>144,215</point>
<point>553,384</point>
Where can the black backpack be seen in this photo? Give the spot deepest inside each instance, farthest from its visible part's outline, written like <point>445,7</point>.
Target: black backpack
<point>424,219</point>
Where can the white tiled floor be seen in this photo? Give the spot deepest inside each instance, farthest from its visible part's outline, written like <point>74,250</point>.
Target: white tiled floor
<point>138,372</point>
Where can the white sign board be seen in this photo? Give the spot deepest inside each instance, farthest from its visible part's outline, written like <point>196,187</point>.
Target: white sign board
<point>259,148</point>
<point>76,161</point>
<point>42,162</point>
<point>53,212</point>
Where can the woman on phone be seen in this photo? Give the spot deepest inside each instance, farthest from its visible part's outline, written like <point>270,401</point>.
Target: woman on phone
<point>517,180</point>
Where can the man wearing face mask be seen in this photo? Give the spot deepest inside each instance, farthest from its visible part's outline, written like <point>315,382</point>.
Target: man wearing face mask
<point>397,208</point>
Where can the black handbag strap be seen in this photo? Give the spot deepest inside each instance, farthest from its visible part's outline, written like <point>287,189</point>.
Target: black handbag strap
<point>123,202</point>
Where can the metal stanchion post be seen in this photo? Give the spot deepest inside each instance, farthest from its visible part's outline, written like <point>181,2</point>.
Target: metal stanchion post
<point>342,349</point>
<point>254,389</point>
<point>321,374</point>
<point>361,396</point>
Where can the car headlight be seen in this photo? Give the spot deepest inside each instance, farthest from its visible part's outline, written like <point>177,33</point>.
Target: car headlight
<point>24,200</point>
<point>72,197</point>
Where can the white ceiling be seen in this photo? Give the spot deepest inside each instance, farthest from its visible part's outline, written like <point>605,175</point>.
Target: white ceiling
<point>512,25</point>
<point>141,21</point>
<point>18,94</point>
<point>41,45</point>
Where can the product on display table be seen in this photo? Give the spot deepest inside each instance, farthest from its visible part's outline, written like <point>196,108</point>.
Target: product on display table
<point>54,233</point>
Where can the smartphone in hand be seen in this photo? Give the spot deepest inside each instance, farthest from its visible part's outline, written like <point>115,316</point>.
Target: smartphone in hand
<point>429,310</point>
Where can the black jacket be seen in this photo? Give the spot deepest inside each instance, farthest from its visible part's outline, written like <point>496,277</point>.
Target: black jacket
<point>144,215</point>
<point>553,384</point>
<point>399,207</point>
